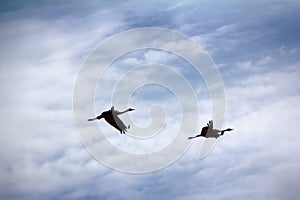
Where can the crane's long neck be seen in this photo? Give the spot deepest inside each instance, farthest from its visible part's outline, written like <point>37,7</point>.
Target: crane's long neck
<point>223,131</point>
<point>217,130</point>
<point>122,112</point>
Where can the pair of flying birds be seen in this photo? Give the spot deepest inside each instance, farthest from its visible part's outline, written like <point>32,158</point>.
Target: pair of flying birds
<point>112,117</point>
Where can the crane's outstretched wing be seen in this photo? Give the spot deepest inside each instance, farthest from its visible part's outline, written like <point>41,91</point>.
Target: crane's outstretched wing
<point>209,142</point>
<point>110,119</point>
<point>210,125</point>
<point>209,128</point>
<point>204,131</point>
<point>119,122</point>
<point>115,121</point>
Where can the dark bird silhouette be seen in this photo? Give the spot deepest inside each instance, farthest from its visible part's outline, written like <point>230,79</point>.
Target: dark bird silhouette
<point>208,131</point>
<point>111,116</point>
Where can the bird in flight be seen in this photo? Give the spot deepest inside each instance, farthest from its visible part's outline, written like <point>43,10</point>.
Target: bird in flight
<point>208,131</point>
<point>111,116</point>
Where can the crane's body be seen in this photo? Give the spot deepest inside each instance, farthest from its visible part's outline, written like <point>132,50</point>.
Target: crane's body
<point>209,132</point>
<point>111,116</point>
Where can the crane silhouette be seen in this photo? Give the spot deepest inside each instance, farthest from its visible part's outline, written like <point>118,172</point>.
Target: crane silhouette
<point>111,116</point>
<point>208,131</point>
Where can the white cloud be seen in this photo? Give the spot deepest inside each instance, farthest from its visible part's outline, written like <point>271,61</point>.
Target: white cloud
<point>258,65</point>
<point>224,32</point>
<point>287,51</point>
<point>41,151</point>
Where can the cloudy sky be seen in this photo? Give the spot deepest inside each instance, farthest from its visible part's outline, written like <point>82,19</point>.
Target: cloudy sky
<point>255,46</point>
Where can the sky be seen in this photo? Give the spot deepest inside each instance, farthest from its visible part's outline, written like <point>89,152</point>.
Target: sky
<point>255,46</point>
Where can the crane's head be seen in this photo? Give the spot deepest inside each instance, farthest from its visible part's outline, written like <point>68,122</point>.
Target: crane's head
<point>229,129</point>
